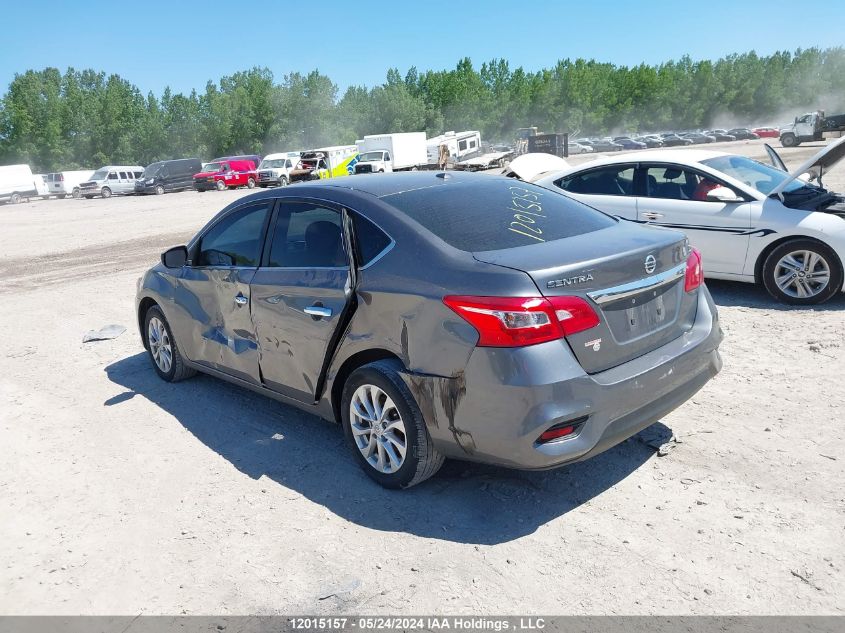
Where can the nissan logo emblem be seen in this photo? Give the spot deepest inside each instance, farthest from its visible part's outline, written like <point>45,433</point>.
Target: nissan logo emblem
<point>650,264</point>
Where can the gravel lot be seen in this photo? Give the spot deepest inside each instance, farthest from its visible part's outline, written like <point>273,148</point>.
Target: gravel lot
<point>124,495</point>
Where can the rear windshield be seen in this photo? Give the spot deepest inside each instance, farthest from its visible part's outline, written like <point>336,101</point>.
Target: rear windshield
<point>499,213</point>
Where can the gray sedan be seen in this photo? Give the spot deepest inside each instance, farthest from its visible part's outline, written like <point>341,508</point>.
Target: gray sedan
<point>439,315</point>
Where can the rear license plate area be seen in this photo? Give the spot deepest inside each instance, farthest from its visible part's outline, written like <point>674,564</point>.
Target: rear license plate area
<point>644,314</point>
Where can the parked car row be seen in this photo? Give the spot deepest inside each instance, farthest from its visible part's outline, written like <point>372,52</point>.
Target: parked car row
<point>667,139</point>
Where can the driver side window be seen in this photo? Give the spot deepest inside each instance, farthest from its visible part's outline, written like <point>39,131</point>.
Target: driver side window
<point>236,239</point>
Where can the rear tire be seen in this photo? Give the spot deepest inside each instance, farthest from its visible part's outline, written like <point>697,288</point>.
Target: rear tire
<point>792,272</point>
<point>250,184</point>
<point>15,198</point>
<point>162,349</point>
<point>283,182</point>
<point>105,192</point>
<point>400,421</point>
<point>76,193</point>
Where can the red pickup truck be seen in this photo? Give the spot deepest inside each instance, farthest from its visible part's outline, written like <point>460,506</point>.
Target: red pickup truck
<point>226,174</point>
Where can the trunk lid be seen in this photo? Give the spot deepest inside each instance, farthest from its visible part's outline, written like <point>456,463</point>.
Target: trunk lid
<point>632,276</point>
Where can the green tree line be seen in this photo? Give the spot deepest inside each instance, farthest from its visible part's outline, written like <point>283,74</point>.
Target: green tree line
<point>54,120</point>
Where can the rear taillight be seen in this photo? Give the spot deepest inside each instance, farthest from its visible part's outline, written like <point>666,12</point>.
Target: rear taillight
<point>695,273</point>
<point>61,177</point>
<point>520,321</point>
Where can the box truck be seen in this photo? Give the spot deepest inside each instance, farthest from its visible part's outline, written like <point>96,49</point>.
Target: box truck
<point>391,152</point>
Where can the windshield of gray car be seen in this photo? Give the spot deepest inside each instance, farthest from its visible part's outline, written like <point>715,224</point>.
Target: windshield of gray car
<point>494,214</point>
<point>100,174</point>
<point>764,178</point>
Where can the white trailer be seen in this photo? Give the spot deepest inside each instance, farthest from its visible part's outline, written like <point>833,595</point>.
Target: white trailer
<point>17,183</point>
<point>459,146</point>
<point>391,152</point>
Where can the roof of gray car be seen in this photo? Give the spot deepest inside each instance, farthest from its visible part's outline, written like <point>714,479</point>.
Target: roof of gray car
<point>381,185</point>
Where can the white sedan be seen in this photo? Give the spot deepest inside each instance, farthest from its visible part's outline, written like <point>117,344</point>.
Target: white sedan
<point>751,221</point>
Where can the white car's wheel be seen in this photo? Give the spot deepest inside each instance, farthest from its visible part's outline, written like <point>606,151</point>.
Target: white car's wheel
<point>802,272</point>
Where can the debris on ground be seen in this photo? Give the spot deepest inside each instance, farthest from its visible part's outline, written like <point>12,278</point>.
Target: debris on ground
<point>105,333</point>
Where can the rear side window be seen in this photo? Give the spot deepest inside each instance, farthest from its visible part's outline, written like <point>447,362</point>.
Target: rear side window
<point>236,239</point>
<point>497,213</point>
<point>371,240</point>
<point>307,236</point>
<point>616,180</point>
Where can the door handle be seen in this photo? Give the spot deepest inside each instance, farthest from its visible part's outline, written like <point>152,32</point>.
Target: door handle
<point>241,300</point>
<point>318,311</point>
<point>652,215</point>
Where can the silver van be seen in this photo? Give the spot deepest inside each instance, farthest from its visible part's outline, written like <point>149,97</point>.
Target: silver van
<point>111,180</point>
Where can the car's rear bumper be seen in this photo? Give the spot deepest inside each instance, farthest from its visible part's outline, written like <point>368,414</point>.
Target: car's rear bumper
<point>496,411</point>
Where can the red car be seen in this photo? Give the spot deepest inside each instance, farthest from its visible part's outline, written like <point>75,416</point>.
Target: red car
<point>766,132</point>
<point>226,174</point>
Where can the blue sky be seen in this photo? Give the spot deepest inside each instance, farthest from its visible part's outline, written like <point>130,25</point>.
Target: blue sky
<point>183,43</point>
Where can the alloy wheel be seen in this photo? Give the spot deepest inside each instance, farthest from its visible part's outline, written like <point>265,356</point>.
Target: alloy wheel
<point>802,274</point>
<point>378,429</point>
<point>160,346</point>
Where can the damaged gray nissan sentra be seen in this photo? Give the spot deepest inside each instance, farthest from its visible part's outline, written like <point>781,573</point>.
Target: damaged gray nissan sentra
<point>439,315</point>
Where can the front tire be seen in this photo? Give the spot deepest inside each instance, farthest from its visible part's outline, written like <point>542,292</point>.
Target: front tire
<point>802,272</point>
<point>789,140</point>
<point>385,427</point>
<point>159,190</point>
<point>162,349</point>
<point>220,185</point>
<point>105,192</point>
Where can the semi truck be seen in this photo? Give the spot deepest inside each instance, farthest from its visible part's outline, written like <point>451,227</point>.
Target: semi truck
<point>811,126</point>
<point>384,153</point>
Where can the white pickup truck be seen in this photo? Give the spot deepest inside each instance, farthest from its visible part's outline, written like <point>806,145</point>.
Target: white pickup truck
<point>274,169</point>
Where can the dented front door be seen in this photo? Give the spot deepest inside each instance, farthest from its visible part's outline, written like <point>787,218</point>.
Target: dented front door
<point>215,291</point>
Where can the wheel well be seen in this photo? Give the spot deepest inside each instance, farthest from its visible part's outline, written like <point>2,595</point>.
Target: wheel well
<point>349,365</point>
<point>146,304</point>
<point>761,260</point>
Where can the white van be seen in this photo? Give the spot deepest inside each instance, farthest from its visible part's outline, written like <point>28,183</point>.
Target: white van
<point>16,183</point>
<point>66,183</point>
<point>274,169</point>
<point>111,180</point>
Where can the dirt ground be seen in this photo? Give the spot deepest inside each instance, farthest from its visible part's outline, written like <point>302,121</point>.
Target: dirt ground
<point>122,494</point>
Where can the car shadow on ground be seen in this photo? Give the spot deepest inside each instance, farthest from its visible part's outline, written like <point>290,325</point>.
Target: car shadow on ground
<point>464,502</point>
<point>745,295</point>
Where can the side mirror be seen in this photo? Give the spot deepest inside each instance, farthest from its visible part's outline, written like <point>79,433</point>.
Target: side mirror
<point>175,257</point>
<point>722,194</point>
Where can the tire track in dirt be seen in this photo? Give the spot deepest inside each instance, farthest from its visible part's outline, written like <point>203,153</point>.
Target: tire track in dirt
<point>92,261</point>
